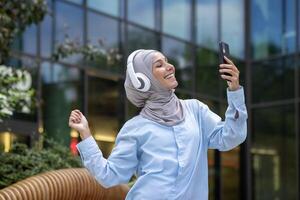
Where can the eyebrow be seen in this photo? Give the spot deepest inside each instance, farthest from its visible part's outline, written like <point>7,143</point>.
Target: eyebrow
<point>160,59</point>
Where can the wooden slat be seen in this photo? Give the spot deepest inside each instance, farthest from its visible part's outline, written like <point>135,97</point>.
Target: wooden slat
<point>64,184</point>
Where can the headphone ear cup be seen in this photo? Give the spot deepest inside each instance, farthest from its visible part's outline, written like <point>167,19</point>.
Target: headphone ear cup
<point>145,82</point>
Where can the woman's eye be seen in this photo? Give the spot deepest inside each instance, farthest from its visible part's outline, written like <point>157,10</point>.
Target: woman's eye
<point>159,65</point>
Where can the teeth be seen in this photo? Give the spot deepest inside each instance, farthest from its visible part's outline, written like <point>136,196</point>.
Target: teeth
<point>169,76</point>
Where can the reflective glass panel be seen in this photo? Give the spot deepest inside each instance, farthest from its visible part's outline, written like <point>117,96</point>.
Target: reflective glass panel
<point>289,33</point>
<point>207,80</point>
<point>98,35</point>
<point>141,12</point>
<point>61,92</point>
<point>207,75</point>
<point>141,39</point>
<point>69,22</point>
<point>103,33</point>
<point>232,26</point>
<point>29,40</point>
<point>266,27</point>
<point>274,158</point>
<point>76,1</point>
<point>177,18</point>
<point>103,109</point>
<point>46,36</point>
<point>110,7</point>
<point>207,23</point>
<point>273,80</point>
<point>230,174</point>
<point>179,54</point>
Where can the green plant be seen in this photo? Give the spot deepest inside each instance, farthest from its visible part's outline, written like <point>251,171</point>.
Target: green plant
<point>15,16</point>
<point>22,162</point>
<point>15,91</point>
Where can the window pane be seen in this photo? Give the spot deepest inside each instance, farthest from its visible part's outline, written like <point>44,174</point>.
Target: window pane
<point>289,34</point>
<point>98,35</point>
<point>174,25</point>
<point>231,174</point>
<point>141,39</point>
<point>109,7</point>
<point>273,80</point>
<point>266,27</point>
<point>76,1</point>
<point>103,112</point>
<point>62,92</point>
<point>46,36</point>
<point>141,12</point>
<point>274,153</point>
<point>179,54</point>
<point>207,30</point>
<point>207,74</point>
<point>103,38</point>
<point>232,26</point>
<point>69,22</point>
<point>29,41</point>
<point>207,81</point>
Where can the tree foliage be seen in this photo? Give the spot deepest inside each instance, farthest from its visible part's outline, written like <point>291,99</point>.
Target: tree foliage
<point>15,16</point>
<point>16,93</point>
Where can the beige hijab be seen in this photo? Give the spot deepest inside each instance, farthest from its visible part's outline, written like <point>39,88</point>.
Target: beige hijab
<point>159,104</point>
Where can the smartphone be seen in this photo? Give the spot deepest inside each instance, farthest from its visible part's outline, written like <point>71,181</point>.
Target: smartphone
<point>223,51</point>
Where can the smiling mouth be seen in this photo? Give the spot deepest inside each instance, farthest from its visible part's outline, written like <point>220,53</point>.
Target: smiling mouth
<point>169,76</point>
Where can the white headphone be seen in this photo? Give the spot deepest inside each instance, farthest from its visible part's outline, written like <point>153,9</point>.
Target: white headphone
<point>139,80</point>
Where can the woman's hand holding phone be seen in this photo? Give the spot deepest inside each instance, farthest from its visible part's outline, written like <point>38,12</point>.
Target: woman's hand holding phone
<point>230,73</point>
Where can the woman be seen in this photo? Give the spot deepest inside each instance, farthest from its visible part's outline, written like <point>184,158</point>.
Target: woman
<point>166,144</point>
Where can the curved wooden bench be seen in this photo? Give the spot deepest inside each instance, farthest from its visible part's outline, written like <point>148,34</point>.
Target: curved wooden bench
<point>64,184</point>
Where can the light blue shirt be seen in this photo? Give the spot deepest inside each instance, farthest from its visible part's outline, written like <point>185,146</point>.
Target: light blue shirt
<point>170,161</point>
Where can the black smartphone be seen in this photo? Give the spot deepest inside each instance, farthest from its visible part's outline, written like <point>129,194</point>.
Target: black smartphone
<point>223,51</point>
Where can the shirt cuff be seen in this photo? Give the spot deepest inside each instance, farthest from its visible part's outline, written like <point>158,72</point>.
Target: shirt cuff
<point>88,147</point>
<point>236,98</point>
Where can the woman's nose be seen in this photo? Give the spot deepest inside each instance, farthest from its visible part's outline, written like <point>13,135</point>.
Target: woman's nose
<point>170,67</point>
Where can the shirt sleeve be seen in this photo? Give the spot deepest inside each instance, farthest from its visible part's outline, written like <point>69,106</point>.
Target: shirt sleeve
<point>119,166</point>
<point>227,134</point>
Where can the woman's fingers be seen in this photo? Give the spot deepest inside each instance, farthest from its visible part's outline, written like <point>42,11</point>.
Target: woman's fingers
<point>228,60</point>
<point>230,66</point>
<point>75,116</point>
<point>230,71</point>
<point>78,112</point>
<point>232,79</point>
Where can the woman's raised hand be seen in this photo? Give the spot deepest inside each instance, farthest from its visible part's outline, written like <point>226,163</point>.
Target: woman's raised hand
<point>232,76</point>
<point>78,122</point>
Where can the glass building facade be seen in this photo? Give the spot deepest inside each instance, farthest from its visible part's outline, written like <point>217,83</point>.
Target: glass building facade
<point>264,42</point>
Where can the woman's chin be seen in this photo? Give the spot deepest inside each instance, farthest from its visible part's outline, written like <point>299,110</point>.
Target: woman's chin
<point>174,85</point>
